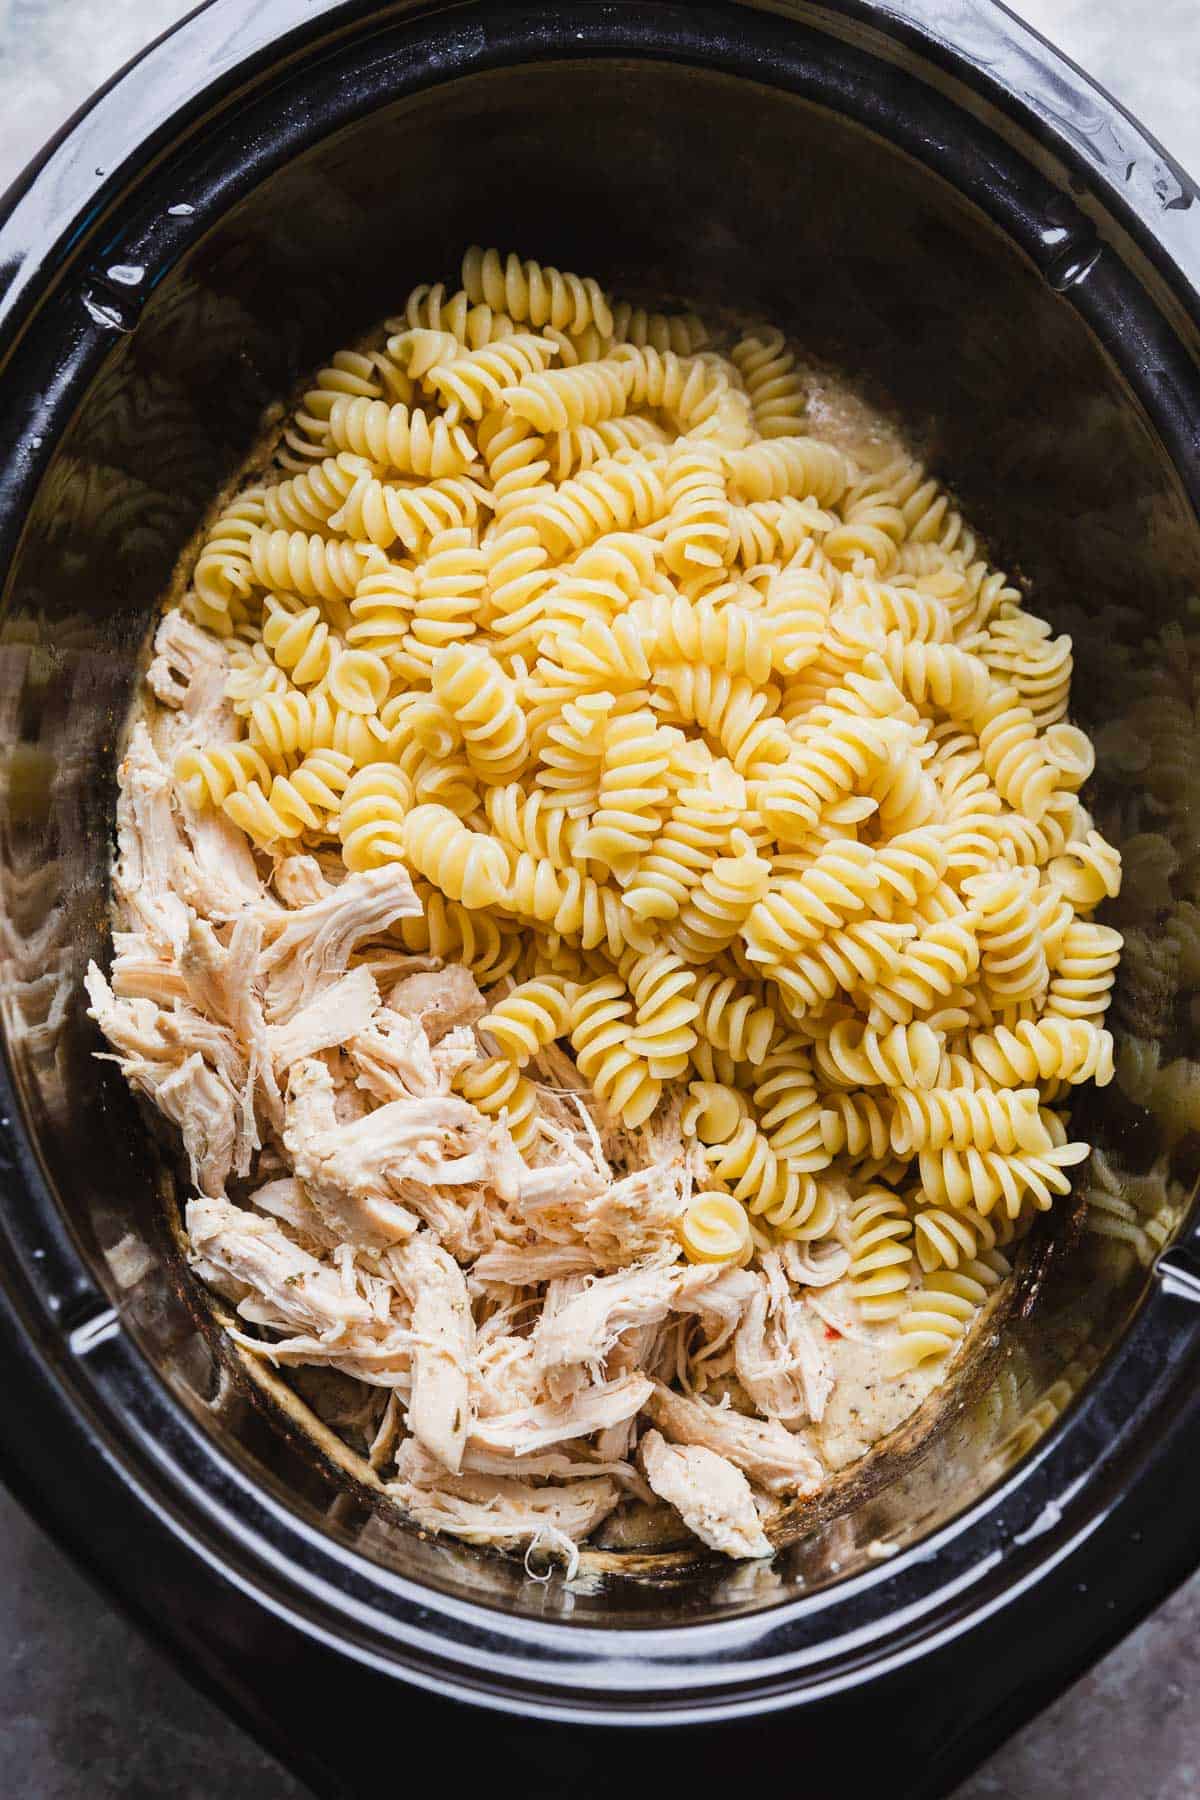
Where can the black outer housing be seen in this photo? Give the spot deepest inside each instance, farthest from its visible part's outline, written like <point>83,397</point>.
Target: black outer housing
<point>963,1635</point>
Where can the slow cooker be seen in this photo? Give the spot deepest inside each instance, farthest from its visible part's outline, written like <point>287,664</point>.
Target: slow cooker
<point>929,197</point>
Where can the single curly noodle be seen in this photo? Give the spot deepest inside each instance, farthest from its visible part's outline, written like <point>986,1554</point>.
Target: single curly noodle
<point>604,894</point>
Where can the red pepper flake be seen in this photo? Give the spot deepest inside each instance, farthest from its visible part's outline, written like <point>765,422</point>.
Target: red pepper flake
<point>831,1333</point>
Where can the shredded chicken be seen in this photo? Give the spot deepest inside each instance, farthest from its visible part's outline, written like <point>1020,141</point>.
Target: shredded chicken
<point>148,843</point>
<point>713,1499</point>
<point>775,1459</point>
<point>572,1340</point>
<point>439,1001</point>
<point>528,1317</point>
<point>260,1260</point>
<point>533,1428</point>
<point>776,1353</point>
<point>343,1010</point>
<point>315,943</point>
<point>439,1413</point>
<point>499,1509</point>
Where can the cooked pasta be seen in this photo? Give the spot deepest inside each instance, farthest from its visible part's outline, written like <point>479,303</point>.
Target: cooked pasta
<point>560,652</point>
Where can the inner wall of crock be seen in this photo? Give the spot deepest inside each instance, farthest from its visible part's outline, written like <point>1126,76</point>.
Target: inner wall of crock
<point>663,181</point>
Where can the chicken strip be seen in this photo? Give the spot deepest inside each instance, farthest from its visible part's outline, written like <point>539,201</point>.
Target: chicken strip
<point>359,1173</point>
<point>223,984</point>
<point>439,1000</point>
<point>498,1509</point>
<point>261,1260</point>
<point>774,1459</point>
<point>439,1411</point>
<point>392,1057</point>
<point>285,1199</point>
<point>571,1342</point>
<point>191,1068</point>
<point>536,1427</point>
<point>186,661</point>
<point>776,1354</point>
<point>140,972</point>
<point>315,944</point>
<point>217,876</point>
<point>714,1500</point>
<point>516,1265</point>
<point>340,1011</point>
<point>619,1221</point>
<point>148,842</point>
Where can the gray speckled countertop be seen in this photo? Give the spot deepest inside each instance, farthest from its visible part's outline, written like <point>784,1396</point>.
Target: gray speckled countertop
<point>86,1707</point>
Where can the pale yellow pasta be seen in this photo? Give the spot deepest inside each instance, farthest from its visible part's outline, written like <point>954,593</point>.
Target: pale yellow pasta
<point>715,1228</point>
<point>717,751</point>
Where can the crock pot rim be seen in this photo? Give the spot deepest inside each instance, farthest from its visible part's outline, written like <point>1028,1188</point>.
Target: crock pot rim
<point>1048,1479</point>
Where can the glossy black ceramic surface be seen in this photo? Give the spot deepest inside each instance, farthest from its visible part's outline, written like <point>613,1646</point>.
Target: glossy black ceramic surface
<point>935,202</point>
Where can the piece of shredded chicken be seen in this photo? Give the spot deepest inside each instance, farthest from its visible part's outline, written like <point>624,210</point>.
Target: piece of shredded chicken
<point>711,1496</point>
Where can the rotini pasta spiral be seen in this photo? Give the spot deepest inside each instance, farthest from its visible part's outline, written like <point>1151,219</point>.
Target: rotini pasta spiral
<point>799,466</point>
<point>617,495</point>
<point>1012,755</point>
<point>315,568</point>
<point>1019,649</point>
<point>307,501</point>
<point>776,391</point>
<point>560,399</point>
<point>298,638</point>
<point>529,1018</point>
<point>1047,1049</point>
<point>529,822</point>
<point>840,757</point>
<point>946,1239</point>
<point>209,776</point>
<point>715,1228</point>
<point>699,829</point>
<point>789,1108</point>
<point>793,1204</point>
<point>942,1311</point>
<point>663,990</point>
<point>358,681</point>
<point>1005,1119</point>
<point>473,322</point>
<point>856,1055</point>
<point>734,1016</point>
<point>306,800</point>
<point>720,903</point>
<point>466,865</point>
<point>728,637</point>
<point>476,381</point>
<point>382,512</point>
<point>481,699</point>
<point>730,710</point>
<point>1010,939</point>
<point>636,757</point>
<point>223,577</point>
<point>878,1227</point>
<point>406,441</point>
<point>530,291</point>
<point>697,534</point>
<point>375,804</point>
<point>456,934</point>
<point>287,724</point>
<point>497,1087</point>
<point>620,1078</point>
